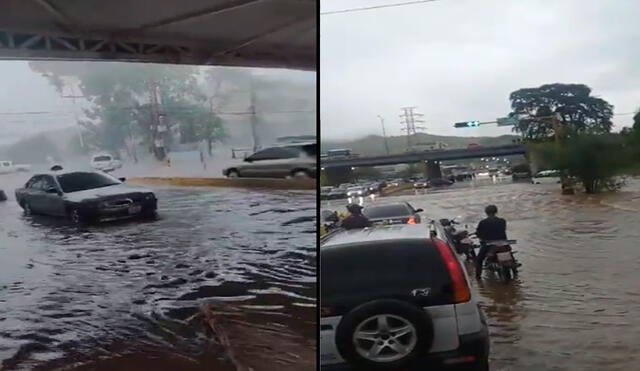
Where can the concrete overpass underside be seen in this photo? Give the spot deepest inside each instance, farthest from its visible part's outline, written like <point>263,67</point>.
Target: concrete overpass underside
<point>243,33</point>
<point>421,157</point>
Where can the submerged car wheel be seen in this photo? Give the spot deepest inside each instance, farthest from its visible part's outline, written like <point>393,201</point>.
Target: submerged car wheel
<point>233,174</point>
<point>74,216</point>
<point>27,209</point>
<point>384,334</point>
<point>300,174</point>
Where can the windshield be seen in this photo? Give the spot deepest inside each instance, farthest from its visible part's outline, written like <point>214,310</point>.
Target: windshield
<point>386,211</point>
<point>102,158</point>
<point>81,181</point>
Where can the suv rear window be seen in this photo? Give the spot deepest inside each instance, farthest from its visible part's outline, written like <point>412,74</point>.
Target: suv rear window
<point>352,275</point>
<point>386,211</point>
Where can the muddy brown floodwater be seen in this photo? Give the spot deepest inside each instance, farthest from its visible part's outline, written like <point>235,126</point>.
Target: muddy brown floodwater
<point>224,280</point>
<point>576,302</point>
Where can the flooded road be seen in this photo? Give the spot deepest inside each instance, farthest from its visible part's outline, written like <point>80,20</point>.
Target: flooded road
<point>224,280</point>
<point>576,301</point>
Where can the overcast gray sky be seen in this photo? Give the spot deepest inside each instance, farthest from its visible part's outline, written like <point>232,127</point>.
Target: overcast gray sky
<point>458,60</point>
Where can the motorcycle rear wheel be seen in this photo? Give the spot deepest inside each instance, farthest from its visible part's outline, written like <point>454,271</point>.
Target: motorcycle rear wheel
<point>505,274</point>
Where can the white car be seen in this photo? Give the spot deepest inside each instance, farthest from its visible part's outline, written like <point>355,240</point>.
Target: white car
<point>546,177</point>
<point>356,192</point>
<point>9,167</point>
<point>105,162</point>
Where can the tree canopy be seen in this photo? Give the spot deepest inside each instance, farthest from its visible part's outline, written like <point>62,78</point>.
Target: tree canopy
<point>579,112</point>
<point>120,97</point>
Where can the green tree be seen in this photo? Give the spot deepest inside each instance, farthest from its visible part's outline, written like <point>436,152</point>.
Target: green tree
<point>120,96</point>
<point>595,160</point>
<point>578,110</point>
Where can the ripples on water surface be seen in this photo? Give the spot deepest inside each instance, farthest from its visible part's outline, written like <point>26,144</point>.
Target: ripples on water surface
<point>125,295</point>
<point>575,305</point>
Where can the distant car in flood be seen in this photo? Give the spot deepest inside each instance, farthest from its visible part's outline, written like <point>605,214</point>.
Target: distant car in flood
<point>439,182</point>
<point>287,161</point>
<point>85,196</point>
<point>546,177</point>
<point>105,162</point>
<point>420,184</point>
<point>392,213</point>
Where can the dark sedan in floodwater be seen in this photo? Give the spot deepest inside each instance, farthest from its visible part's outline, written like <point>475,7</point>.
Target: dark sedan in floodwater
<point>85,196</point>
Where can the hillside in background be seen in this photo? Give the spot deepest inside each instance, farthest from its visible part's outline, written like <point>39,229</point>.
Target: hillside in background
<point>374,145</point>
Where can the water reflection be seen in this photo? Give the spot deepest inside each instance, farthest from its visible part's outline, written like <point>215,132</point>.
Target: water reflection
<point>573,304</point>
<point>122,294</point>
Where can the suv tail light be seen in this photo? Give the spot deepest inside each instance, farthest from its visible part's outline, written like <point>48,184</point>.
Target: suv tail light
<point>327,311</point>
<point>461,291</point>
<point>411,220</point>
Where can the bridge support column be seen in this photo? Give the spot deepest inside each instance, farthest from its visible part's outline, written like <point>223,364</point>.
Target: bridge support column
<point>338,175</point>
<point>431,169</point>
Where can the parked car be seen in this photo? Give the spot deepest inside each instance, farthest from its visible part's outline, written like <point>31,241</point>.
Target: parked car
<point>357,191</point>
<point>439,182</point>
<point>105,162</point>
<point>420,184</point>
<point>520,175</point>
<point>392,213</point>
<point>9,167</point>
<point>546,177</point>
<point>325,192</point>
<point>398,298</point>
<point>337,193</point>
<point>84,196</point>
<point>292,160</point>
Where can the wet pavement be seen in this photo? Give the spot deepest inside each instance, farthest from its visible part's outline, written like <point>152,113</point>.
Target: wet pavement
<point>224,279</point>
<point>574,305</point>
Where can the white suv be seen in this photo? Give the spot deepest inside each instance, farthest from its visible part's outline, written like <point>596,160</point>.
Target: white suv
<point>397,298</point>
<point>105,162</point>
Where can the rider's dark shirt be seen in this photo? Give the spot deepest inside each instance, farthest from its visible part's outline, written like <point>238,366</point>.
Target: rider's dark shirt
<point>356,221</point>
<point>492,229</point>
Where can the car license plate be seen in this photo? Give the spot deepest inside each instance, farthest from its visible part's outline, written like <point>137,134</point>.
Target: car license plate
<point>503,256</point>
<point>135,209</point>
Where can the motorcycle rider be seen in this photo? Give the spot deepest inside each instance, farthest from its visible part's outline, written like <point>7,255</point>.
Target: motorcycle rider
<point>355,220</point>
<point>492,228</point>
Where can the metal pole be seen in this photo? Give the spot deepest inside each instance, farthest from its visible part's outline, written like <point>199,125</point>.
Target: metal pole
<point>254,120</point>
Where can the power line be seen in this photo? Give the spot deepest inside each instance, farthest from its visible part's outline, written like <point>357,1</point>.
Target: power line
<point>377,7</point>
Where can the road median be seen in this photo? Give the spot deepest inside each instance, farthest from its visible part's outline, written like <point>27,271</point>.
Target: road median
<point>292,184</point>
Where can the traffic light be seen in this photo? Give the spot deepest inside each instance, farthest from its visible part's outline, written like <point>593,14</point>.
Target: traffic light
<point>467,124</point>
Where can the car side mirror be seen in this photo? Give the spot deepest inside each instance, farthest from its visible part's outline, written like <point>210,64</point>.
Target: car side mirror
<point>248,159</point>
<point>419,210</point>
<point>122,179</point>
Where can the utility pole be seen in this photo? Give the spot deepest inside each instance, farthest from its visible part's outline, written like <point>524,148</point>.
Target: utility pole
<point>254,120</point>
<point>73,97</point>
<point>409,123</point>
<point>384,134</point>
<point>158,128</point>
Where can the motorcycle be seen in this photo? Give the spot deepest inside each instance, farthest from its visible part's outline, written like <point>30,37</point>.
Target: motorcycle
<point>501,261</point>
<point>460,238</point>
<point>330,221</point>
